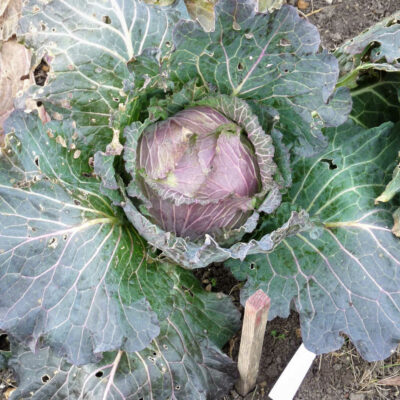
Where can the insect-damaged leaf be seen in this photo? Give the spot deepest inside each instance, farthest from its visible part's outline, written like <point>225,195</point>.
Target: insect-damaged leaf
<point>90,44</point>
<point>180,364</point>
<point>75,276</point>
<point>374,49</point>
<point>343,274</point>
<point>64,250</point>
<point>269,58</point>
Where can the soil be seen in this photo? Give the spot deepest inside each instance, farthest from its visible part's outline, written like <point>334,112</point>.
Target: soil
<point>338,20</point>
<point>337,375</point>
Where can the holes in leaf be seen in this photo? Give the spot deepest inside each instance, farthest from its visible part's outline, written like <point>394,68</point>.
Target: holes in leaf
<point>168,43</point>
<point>116,99</point>
<point>286,67</point>
<point>42,26</point>
<point>187,290</point>
<point>53,243</point>
<point>106,19</point>
<point>392,22</point>
<point>284,42</point>
<point>252,266</point>
<point>40,72</point>
<point>165,347</point>
<point>65,237</point>
<point>45,378</point>
<point>373,52</point>
<point>4,343</point>
<point>99,374</point>
<point>177,387</point>
<point>53,29</point>
<point>77,202</point>
<point>331,164</point>
<point>36,160</point>
<point>240,67</point>
<point>154,354</point>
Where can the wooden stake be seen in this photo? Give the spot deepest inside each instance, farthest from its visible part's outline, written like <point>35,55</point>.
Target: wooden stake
<point>254,323</point>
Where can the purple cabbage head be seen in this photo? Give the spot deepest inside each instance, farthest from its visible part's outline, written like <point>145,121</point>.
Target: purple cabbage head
<point>200,181</point>
<point>199,172</point>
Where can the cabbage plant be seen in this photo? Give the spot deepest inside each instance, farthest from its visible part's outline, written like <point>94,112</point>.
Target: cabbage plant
<point>184,134</point>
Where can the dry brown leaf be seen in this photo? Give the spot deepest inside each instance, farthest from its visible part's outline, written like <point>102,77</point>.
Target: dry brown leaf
<point>15,61</point>
<point>269,5</point>
<point>203,12</point>
<point>393,381</point>
<point>302,4</point>
<point>8,392</point>
<point>10,11</point>
<point>3,6</point>
<point>396,226</point>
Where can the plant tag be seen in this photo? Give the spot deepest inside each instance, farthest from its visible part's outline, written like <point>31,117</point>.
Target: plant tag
<point>291,378</point>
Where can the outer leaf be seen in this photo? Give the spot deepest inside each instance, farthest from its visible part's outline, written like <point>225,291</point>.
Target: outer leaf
<point>180,364</point>
<point>267,57</point>
<point>91,43</point>
<point>344,274</point>
<point>377,100</point>
<point>269,118</point>
<point>375,48</point>
<point>392,188</point>
<point>385,33</point>
<point>64,250</point>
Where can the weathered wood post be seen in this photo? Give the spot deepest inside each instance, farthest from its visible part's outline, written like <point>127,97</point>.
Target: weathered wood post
<point>251,343</point>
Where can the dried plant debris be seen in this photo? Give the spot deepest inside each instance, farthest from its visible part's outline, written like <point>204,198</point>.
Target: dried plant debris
<point>10,11</point>
<point>15,62</point>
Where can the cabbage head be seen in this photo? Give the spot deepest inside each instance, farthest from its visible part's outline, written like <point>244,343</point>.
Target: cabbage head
<point>200,179</point>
